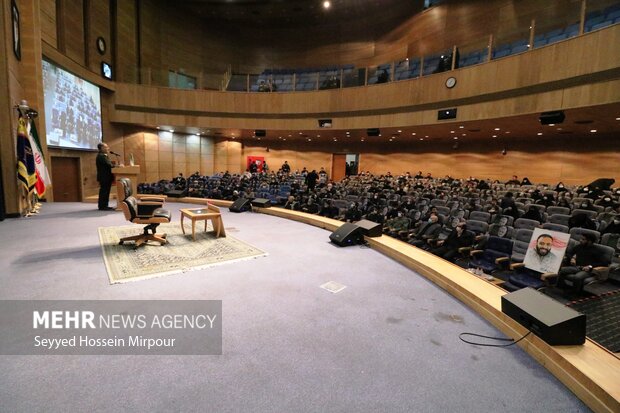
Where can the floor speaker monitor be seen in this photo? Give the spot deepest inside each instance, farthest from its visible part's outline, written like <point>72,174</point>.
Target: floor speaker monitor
<point>370,228</point>
<point>261,203</point>
<point>348,234</point>
<point>240,205</point>
<point>553,322</point>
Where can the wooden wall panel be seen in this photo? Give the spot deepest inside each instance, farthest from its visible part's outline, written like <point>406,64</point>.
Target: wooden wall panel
<point>98,26</point>
<point>150,40</point>
<point>48,22</point>
<point>126,41</point>
<point>73,30</point>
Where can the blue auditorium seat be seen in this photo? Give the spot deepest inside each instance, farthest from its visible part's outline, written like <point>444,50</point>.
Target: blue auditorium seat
<point>593,21</point>
<point>602,24</point>
<point>572,30</point>
<point>501,51</point>
<point>557,38</point>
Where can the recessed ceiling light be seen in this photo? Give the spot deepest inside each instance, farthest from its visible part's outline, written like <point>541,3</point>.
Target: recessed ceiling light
<point>421,139</point>
<point>284,139</point>
<point>507,132</point>
<point>593,130</point>
<point>539,133</point>
<point>456,137</point>
<point>451,131</point>
<point>380,135</point>
<point>289,136</point>
<point>399,131</point>
<point>301,133</point>
<point>463,134</point>
<point>335,140</point>
<point>461,127</point>
<point>362,139</point>
<point>309,139</point>
<point>327,4</point>
<point>198,134</point>
<point>426,136</point>
<point>495,136</point>
<point>412,133</point>
<point>559,128</point>
<point>158,126</point>
<point>617,118</point>
<point>259,139</point>
<point>318,136</point>
<point>497,129</point>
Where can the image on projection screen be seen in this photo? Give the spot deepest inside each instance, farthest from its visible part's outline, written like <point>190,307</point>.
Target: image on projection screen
<point>72,109</point>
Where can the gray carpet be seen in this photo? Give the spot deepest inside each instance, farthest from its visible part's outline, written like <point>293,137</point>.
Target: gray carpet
<point>387,343</point>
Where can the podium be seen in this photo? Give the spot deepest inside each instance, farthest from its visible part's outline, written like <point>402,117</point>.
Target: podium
<point>130,172</point>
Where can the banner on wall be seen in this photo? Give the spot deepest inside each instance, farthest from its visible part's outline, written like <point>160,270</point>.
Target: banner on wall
<point>255,161</point>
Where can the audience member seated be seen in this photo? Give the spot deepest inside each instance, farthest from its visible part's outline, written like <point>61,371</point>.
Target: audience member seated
<point>448,249</point>
<point>583,258</point>
<point>427,231</point>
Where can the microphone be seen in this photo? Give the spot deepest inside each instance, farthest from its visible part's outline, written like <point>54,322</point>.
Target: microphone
<point>114,153</point>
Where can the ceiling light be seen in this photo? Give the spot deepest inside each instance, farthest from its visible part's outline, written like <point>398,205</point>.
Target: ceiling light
<point>495,136</point>
<point>539,133</point>
<point>593,130</point>
<point>461,127</point>
<point>456,137</point>
<point>426,136</point>
<point>158,126</point>
<point>399,131</point>
<point>421,139</point>
<point>301,133</point>
<point>507,132</point>
<point>552,124</point>
<point>496,128</point>
<point>309,139</point>
<point>412,133</point>
<point>451,131</point>
<point>617,118</point>
<point>463,134</point>
<point>327,4</point>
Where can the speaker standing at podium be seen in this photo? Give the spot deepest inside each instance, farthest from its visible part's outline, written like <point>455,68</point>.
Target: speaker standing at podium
<point>104,176</point>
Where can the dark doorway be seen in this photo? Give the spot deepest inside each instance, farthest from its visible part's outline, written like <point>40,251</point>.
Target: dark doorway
<point>66,179</point>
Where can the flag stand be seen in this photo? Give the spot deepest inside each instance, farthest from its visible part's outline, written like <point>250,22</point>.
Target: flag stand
<point>32,173</point>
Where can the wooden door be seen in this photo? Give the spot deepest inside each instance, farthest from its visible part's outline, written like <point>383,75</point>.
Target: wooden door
<point>66,179</point>
<point>339,161</point>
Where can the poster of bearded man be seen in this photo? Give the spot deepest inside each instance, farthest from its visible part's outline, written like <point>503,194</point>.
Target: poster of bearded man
<point>546,250</point>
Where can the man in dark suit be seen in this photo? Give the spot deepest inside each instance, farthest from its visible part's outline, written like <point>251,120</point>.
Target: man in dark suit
<point>104,176</point>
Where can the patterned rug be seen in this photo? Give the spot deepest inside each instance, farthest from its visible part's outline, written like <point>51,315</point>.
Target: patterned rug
<point>180,254</point>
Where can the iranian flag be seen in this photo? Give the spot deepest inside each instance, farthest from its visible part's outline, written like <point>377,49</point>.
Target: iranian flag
<point>42,175</point>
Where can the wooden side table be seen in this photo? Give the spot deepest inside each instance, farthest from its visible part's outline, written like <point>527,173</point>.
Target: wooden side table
<point>209,213</point>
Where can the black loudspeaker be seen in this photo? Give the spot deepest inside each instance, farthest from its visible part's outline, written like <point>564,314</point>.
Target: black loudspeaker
<point>260,132</point>
<point>369,228</point>
<point>548,118</point>
<point>347,234</point>
<point>446,114</point>
<point>373,132</point>
<point>261,203</point>
<point>555,323</point>
<point>240,205</point>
